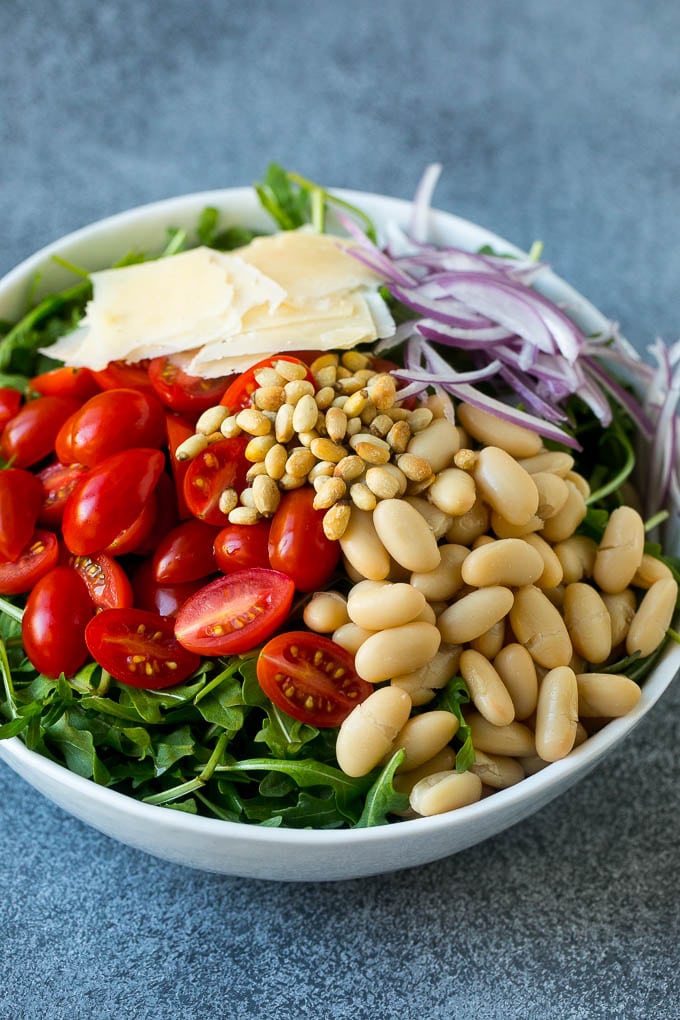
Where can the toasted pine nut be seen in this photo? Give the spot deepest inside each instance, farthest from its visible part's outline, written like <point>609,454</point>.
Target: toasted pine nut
<point>650,571</point>
<point>556,462</point>
<point>437,521</point>
<point>336,424</point>
<point>326,449</point>
<point>322,469</point>
<point>275,461</point>
<point>453,491</point>
<point>381,425</point>
<point>397,650</point>
<point>556,714</point>
<point>370,448</point>
<point>300,462</point>
<point>587,621</point>
<point>243,515</point>
<point>326,376</point>
<point>466,459</point>
<point>446,579</point>
<point>330,491</point>
<point>507,487</point>
<point>470,525</point>
<point>497,770</point>
<point>606,695</point>
<point>382,483</point>
<point>191,447</point>
<point>287,482</point>
<point>382,390</point>
<point>349,468</point>
<point>509,561</point>
<point>516,669</point>
<point>552,568</point>
<point>211,419</point>
<point>491,430</point>
<point>399,436</point>
<point>445,791</point>
<point>564,523</point>
<point>648,627</point>
<point>266,495</point>
<point>356,403</point>
<point>307,438</point>
<point>362,497</point>
<point>324,397</point>
<point>540,628</point>
<point>405,535</point>
<point>326,612</point>
<point>473,614</point>
<point>515,739</point>
<point>229,428</point>
<point>621,608</point>
<point>255,469</point>
<point>436,444</point>
<point>258,448</point>
<point>254,422</point>
<point>324,361</point>
<point>416,469</point>
<point>422,683</point>
<point>336,520</point>
<point>487,690</point>
<point>376,605</point>
<point>305,413</point>
<point>423,736</point>
<point>269,398</point>
<point>228,501</point>
<point>620,551</point>
<point>362,547</point>
<point>268,377</point>
<point>368,732</point>
<point>283,425</point>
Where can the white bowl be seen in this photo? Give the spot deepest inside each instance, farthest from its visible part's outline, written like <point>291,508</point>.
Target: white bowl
<point>291,854</point>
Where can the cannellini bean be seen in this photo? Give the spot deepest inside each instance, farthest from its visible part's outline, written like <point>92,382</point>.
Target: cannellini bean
<point>491,641</point>
<point>538,625</point>
<point>579,481</point>
<point>488,692</point>
<point>437,444</point>
<point>555,462</point>
<point>566,521</point>
<point>556,714</point>
<point>515,740</point>
<point>532,764</point>
<point>426,614</point>
<point>653,617</point>
<point>326,612</point>
<point>577,557</point>
<point>552,568</point>
<point>351,637</point>
<point>588,622</point>
<point>509,561</point>
<point>368,732</point>
<point>516,669</point>
<point>453,491</point>
<point>438,521</point>
<point>620,551</point>
<point>406,535</point>
<point>621,608</point>
<point>497,770</point>
<point>552,493</point>
<point>504,529</point>
<point>446,579</point>
<point>376,605</point>
<point>606,695</point>
<point>473,614</point>
<point>469,526</point>
<point>445,791</point>
<point>506,487</point>
<point>390,653</point>
<point>423,736</point>
<point>555,595</point>
<point>422,683</point>
<point>444,761</point>
<point>650,571</point>
<point>494,431</point>
<point>362,547</point>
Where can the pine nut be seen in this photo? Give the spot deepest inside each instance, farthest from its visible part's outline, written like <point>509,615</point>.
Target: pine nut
<point>326,449</point>
<point>287,482</point>
<point>254,422</point>
<point>648,627</point>
<point>437,444</point>
<point>348,384</point>
<point>368,732</point>
<point>258,448</point>
<point>290,370</point>
<point>466,459</point>
<point>354,426</point>
<point>515,740</point>
<point>423,736</point>
<point>283,424</point>
<point>243,515</point>
<point>191,447</point>
<point>336,424</point>
<point>556,714</point>
<point>497,770</point>
<point>376,605</point>
<point>621,608</point>
<point>445,791</point>
<point>381,425</point>
<point>255,469</point>
<point>362,497</point>
<point>307,438</point>
<point>356,403</point>
<point>383,390</point>
<point>350,468</point>
<point>397,650</point>
<point>566,521</point>
<point>246,498</point>
<point>305,414</point>
<point>300,462</point>
<point>268,377</point>
<point>445,580</point>
<point>421,684</point>
<point>488,693</point>
<point>588,622</point>
<point>228,501</point>
<point>322,469</point>
<point>329,492</point>
<point>399,436</point>
<point>229,428</point>
<point>266,495</point>
<point>275,461</point>
<point>606,695</point>
<point>507,487</point>
<point>269,398</point>
<point>370,448</point>
<point>336,520</point>
<point>577,557</point>
<point>324,361</point>
<point>551,574</point>
<point>211,420</point>
<point>326,376</point>
<point>491,430</point>
<point>324,397</point>
<point>405,535</point>
<point>474,614</point>
<point>516,669</point>
<point>326,612</point>
<point>620,551</point>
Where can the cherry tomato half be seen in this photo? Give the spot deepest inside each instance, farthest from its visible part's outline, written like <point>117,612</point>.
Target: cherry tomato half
<point>106,581</point>
<point>78,383</point>
<point>109,499</point>
<point>188,394</point>
<point>137,534</point>
<point>297,543</point>
<point>177,430</point>
<point>37,559</point>
<point>31,434</point>
<point>109,422</point>
<point>166,518</point>
<point>21,496</point>
<point>310,678</point>
<point>55,617</point>
<point>221,466</point>
<point>242,388</point>
<point>165,599</point>
<point>58,482</point>
<point>10,402</point>
<point>185,553</point>
<point>139,648</point>
<point>239,546</point>
<point>119,374</point>
<point>234,613</point>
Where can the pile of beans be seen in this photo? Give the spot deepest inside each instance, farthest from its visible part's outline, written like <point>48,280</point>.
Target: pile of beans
<point>460,542</point>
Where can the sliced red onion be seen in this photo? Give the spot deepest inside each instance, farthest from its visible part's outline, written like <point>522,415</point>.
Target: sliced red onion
<point>621,395</point>
<point>482,335</point>
<point>423,200</point>
<point>420,375</point>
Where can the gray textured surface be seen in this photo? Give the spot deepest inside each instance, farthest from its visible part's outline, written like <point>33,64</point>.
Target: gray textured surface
<point>557,122</point>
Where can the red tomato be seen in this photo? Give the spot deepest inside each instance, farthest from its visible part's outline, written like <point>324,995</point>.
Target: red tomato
<point>138,534</point>
<point>188,394</point>
<point>30,435</point>
<point>78,383</point>
<point>221,466</point>
<point>165,599</point>
<point>10,402</point>
<point>118,374</point>
<point>39,556</point>
<point>310,678</point>
<point>109,499</point>
<point>107,582</point>
<point>185,554</point>
<point>109,422</point>
<point>234,613</point>
<point>177,430</point>
<point>166,517</point>
<point>58,482</point>
<point>242,388</point>
<point>53,627</point>
<point>239,546</point>
<point>139,648</point>
<point>20,498</point>
<point>297,544</point>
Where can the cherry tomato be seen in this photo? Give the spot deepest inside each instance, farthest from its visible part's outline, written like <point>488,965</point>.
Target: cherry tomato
<point>21,496</point>
<point>239,546</point>
<point>137,535</point>
<point>109,422</point>
<point>139,648</point>
<point>119,374</point>
<point>234,613</point>
<point>58,482</point>
<point>157,597</point>
<point>109,499</point>
<point>78,383</point>
<point>10,402</point>
<point>30,435</point>
<point>297,544</point>
<point>186,553</point>
<point>310,678</point>
<point>221,466</point>
<point>39,556</point>
<point>53,627</point>
<point>106,581</point>
<point>188,394</point>
<point>166,517</point>
<point>242,388</point>
<point>177,430</point>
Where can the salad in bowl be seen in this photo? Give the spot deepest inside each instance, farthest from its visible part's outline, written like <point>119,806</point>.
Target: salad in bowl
<point>329,514</point>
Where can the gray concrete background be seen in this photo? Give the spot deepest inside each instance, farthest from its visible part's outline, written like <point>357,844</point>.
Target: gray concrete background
<point>554,121</point>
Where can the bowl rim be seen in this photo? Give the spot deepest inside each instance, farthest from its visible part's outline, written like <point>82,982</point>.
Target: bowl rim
<point>536,787</point>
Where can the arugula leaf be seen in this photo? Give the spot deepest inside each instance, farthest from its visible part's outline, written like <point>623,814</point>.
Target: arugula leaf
<point>382,799</point>
<point>290,207</point>
<point>451,698</point>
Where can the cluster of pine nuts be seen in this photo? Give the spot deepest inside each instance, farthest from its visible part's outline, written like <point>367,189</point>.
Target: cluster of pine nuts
<point>481,574</point>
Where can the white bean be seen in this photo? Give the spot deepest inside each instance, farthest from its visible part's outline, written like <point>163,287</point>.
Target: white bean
<point>606,695</point>
<point>509,561</point>
<point>376,605</point>
<point>506,487</point>
<point>487,691</point>
<point>406,535</point>
<point>556,714</point>
<point>368,732</point>
<point>362,547</point>
<point>474,614</point>
<point>445,791</point>
<point>390,653</point>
